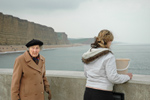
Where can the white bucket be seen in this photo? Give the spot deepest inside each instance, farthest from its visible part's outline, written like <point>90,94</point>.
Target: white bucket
<point>122,65</point>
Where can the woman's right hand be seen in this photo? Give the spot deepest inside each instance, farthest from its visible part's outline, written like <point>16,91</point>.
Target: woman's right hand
<point>130,75</point>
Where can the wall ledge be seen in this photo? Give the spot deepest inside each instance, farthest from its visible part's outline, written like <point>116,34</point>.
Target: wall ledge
<point>70,85</point>
<point>138,79</point>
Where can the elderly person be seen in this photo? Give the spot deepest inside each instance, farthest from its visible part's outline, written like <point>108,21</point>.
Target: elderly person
<point>100,69</point>
<point>29,80</point>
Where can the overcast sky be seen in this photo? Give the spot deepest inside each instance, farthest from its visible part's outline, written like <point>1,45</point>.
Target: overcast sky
<point>129,20</point>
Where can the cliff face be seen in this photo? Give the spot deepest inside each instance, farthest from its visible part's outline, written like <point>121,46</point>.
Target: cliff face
<point>62,38</point>
<point>15,31</point>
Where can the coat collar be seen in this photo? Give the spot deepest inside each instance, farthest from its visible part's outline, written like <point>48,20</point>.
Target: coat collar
<point>93,51</point>
<point>31,63</point>
<point>93,54</point>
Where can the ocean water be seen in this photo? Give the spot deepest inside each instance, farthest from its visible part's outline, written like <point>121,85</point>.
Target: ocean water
<point>69,58</point>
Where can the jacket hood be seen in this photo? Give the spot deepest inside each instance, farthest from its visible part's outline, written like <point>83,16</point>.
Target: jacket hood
<point>93,54</point>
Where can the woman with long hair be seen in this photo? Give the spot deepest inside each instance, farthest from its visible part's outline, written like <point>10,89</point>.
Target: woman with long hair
<point>100,69</point>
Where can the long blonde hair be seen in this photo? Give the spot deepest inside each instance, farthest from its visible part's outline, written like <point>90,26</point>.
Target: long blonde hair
<point>102,39</point>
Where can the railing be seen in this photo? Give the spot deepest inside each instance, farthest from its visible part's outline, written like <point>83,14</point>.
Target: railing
<point>70,85</point>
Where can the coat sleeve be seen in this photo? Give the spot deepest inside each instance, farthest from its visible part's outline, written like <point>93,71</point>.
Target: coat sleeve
<point>112,74</point>
<point>85,73</point>
<point>16,78</point>
<point>45,81</point>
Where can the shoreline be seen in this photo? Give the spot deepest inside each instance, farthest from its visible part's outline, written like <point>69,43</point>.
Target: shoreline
<point>21,48</point>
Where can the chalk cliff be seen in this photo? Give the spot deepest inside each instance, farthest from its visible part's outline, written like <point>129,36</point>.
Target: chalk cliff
<point>15,31</point>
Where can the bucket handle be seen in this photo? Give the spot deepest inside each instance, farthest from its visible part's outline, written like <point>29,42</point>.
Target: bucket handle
<point>124,68</point>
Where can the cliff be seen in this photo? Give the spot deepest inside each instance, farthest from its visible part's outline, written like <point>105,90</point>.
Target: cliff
<point>15,31</point>
<point>62,38</point>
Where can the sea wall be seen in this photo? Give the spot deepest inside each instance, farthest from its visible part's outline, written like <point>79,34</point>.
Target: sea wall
<point>70,85</point>
<point>15,31</point>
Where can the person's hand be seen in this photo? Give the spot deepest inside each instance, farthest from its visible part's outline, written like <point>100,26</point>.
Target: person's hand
<point>47,89</point>
<point>49,96</point>
<point>130,75</point>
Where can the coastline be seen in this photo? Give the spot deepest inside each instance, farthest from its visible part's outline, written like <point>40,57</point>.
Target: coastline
<point>21,48</point>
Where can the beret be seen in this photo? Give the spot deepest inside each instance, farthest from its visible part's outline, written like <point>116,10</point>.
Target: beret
<point>34,42</point>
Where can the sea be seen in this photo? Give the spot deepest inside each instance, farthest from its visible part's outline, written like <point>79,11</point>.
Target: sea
<point>69,58</point>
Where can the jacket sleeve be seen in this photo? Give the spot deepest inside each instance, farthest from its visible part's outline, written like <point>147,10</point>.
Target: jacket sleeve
<point>45,81</point>
<point>16,77</point>
<point>85,73</point>
<point>111,72</point>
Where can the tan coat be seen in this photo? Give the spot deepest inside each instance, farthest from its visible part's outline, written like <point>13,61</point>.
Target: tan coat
<point>28,80</point>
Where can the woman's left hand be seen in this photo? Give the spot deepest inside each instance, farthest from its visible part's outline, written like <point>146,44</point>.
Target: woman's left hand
<point>49,96</point>
<point>47,89</point>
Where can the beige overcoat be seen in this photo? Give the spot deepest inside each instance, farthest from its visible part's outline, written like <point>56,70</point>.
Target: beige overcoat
<point>28,80</point>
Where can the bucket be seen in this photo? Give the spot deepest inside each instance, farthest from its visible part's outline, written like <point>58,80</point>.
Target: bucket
<point>122,65</point>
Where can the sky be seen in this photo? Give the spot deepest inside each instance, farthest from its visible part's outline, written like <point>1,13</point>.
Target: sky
<point>128,20</point>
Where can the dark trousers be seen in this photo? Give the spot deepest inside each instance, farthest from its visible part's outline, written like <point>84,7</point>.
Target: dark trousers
<point>94,94</point>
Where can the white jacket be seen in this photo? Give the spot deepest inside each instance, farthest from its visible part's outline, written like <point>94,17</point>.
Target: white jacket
<point>101,72</point>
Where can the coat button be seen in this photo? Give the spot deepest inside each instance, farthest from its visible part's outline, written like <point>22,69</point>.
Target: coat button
<point>42,92</point>
<point>41,82</point>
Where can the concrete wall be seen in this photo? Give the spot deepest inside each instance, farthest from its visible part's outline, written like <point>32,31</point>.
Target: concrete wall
<point>70,85</point>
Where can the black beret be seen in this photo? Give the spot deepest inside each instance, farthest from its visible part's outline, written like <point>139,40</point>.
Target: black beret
<point>34,42</point>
